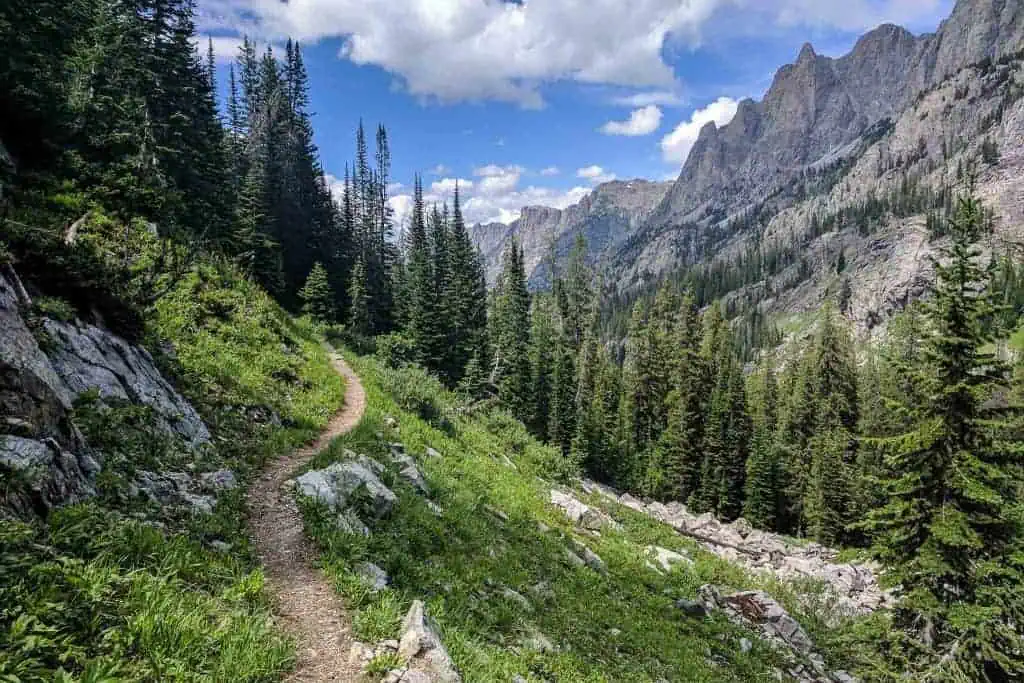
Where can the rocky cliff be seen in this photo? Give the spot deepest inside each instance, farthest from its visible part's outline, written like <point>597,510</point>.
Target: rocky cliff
<point>45,365</point>
<point>831,135</point>
<point>607,218</point>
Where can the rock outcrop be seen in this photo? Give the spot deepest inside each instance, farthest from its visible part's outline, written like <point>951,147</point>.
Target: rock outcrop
<point>759,612</point>
<point>40,445</point>
<point>420,650</point>
<point>350,489</point>
<point>854,587</point>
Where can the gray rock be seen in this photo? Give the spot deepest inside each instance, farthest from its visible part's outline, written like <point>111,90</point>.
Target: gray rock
<point>374,577</point>
<point>87,357</point>
<point>420,645</point>
<point>745,645</point>
<point>349,522</point>
<point>336,486</point>
<point>666,559</point>
<point>589,557</point>
<point>220,547</point>
<point>431,453</point>
<point>691,608</point>
<point>572,508</point>
<point>221,480</point>
<point>412,475</point>
<point>52,476</point>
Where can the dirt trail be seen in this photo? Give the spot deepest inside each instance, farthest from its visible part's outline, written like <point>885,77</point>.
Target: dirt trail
<point>304,600</point>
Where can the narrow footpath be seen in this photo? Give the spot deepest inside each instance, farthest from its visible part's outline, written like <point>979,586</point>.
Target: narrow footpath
<point>304,600</point>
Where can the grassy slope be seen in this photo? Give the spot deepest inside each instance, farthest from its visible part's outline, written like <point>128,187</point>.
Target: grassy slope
<point>118,589</point>
<point>617,627</point>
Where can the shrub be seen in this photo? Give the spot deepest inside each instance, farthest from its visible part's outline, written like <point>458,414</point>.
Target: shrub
<point>394,350</point>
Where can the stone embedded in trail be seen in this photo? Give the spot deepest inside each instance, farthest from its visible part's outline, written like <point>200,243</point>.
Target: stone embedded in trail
<point>336,487</point>
<point>421,647</point>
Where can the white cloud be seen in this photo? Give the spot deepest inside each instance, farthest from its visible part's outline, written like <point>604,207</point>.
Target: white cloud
<point>676,146</point>
<point>595,174</point>
<point>446,186</point>
<point>640,122</point>
<point>550,171</point>
<point>663,98</point>
<point>495,195</point>
<point>455,50</point>
<point>226,48</point>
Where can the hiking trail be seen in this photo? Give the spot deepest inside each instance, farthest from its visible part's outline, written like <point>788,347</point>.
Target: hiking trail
<point>304,600</point>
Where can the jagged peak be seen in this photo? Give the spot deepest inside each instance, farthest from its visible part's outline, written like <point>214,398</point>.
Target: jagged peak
<point>807,53</point>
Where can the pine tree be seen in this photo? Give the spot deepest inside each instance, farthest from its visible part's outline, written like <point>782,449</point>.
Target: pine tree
<point>762,494</point>
<point>950,530</point>
<point>359,313</point>
<point>316,294</point>
<point>421,294</point>
<point>512,327</point>
<point>542,347</point>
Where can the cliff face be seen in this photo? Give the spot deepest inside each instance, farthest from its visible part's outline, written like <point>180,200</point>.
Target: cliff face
<point>607,217</point>
<point>899,113</point>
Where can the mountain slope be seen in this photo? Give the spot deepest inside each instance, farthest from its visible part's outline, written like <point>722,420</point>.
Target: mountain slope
<point>898,116</point>
<point>606,217</point>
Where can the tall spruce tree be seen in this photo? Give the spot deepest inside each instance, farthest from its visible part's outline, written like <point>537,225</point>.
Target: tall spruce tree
<point>512,330</point>
<point>950,532</point>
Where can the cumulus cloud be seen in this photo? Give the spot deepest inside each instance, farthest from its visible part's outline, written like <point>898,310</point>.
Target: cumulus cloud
<point>640,122</point>
<point>493,195</point>
<point>595,174</point>
<point>455,50</point>
<point>676,146</point>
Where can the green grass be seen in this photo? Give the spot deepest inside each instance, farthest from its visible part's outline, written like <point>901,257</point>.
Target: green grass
<point>620,627</point>
<point>121,589</point>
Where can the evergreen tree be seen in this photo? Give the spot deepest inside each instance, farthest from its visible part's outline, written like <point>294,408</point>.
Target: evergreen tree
<point>762,494</point>
<point>512,328</point>
<point>421,294</point>
<point>316,294</point>
<point>950,531</point>
<point>542,347</point>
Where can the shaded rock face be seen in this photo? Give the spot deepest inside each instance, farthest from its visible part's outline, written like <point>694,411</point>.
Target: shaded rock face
<point>39,443</point>
<point>86,357</point>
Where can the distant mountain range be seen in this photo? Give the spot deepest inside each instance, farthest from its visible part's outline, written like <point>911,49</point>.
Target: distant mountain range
<point>841,163</point>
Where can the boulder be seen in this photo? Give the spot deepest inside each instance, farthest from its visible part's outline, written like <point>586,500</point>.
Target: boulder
<point>421,647</point>
<point>589,557</point>
<point>632,503</point>
<point>52,475</point>
<point>411,474</point>
<point>572,508</point>
<point>666,559</point>
<point>375,578</point>
<point>337,485</point>
<point>87,357</point>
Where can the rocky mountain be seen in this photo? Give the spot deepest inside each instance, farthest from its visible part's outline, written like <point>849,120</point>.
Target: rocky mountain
<point>607,217</point>
<point>845,161</point>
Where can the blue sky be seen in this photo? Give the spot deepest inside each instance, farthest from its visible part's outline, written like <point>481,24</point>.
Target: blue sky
<point>535,102</point>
